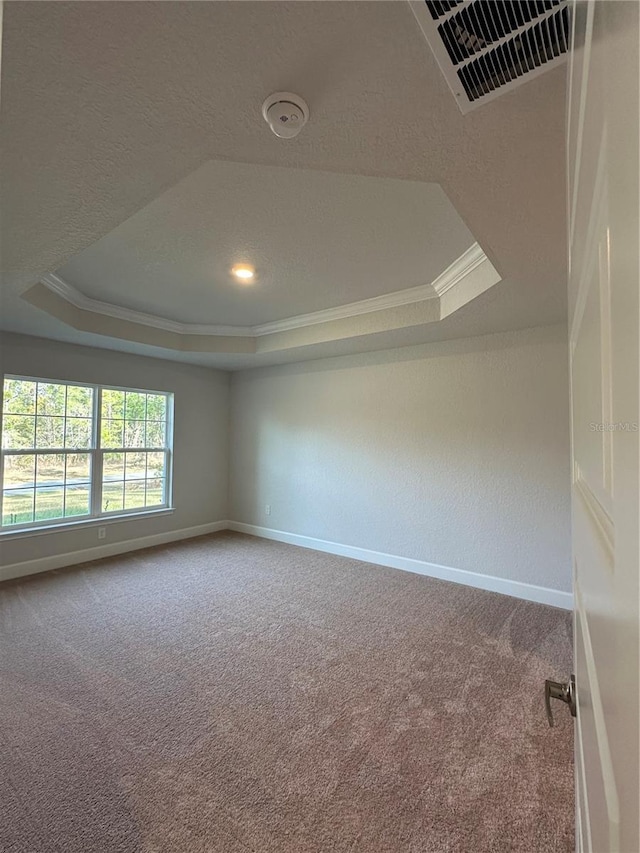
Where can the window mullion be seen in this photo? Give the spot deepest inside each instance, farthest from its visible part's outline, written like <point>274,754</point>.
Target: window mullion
<point>96,455</point>
<point>2,486</point>
<point>169,443</point>
<point>168,481</point>
<point>64,484</point>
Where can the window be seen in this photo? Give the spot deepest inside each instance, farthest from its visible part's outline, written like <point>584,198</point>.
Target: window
<point>72,452</point>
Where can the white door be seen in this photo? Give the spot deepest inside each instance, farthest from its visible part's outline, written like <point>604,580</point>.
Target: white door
<point>604,249</point>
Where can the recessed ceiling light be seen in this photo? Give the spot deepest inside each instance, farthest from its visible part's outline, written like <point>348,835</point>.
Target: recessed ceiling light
<point>244,272</point>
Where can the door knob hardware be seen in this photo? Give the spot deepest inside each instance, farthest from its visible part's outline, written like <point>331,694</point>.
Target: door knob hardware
<point>565,691</point>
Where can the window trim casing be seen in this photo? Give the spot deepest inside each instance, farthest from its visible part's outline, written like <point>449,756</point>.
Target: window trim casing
<point>96,453</point>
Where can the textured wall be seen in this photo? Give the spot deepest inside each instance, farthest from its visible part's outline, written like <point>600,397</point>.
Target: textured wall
<point>200,483</point>
<point>454,453</point>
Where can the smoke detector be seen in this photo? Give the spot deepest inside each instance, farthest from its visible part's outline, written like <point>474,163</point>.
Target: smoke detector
<point>286,114</point>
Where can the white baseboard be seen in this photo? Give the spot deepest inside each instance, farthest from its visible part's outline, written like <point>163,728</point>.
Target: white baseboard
<point>59,561</point>
<point>516,589</point>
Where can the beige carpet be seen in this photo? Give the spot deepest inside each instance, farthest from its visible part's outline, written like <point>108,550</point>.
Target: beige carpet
<point>229,694</point>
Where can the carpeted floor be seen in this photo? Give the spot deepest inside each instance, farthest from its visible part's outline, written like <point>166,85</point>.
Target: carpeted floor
<point>229,694</point>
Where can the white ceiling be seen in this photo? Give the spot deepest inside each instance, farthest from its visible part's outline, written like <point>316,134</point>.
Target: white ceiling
<point>316,239</point>
<point>128,129</point>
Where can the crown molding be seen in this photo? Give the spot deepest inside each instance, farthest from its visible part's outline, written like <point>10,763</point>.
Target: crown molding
<point>353,309</point>
<point>462,267</point>
<point>459,269</point>
<point>465,279</point>
<point>85,303</point>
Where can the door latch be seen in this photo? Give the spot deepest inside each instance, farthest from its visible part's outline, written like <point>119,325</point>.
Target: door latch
<point>565,691</point>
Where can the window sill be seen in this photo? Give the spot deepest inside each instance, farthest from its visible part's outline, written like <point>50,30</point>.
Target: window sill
<point>66,526</point>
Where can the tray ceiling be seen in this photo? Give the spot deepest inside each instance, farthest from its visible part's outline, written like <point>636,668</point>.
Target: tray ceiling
<point>317,240</point>
<point>109,107</point>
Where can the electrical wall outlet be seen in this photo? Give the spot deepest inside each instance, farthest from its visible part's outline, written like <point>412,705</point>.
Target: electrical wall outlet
<point>267,509</point>
<point>102,533</point>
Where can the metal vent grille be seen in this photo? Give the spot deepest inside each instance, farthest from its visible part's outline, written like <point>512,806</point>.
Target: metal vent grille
<point>439,7</point>
<point>485,47</point>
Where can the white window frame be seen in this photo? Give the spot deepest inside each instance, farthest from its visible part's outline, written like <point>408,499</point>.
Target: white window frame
<point>96,456</point>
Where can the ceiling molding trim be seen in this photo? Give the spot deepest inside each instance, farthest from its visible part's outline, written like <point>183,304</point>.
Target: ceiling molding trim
<point>456,273</point>
<point>85,303</point>
<point>459,269</point>
<point>465,279</point>
<point>353,309</point>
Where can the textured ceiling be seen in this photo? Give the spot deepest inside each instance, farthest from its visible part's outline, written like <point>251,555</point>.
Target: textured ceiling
<point>316,239</point>
<point>107,105</point>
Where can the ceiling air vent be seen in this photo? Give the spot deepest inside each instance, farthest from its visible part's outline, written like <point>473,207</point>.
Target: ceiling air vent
<point>487,47</point>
